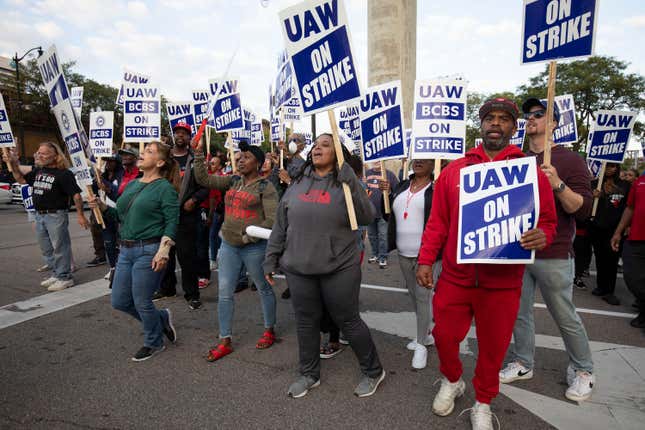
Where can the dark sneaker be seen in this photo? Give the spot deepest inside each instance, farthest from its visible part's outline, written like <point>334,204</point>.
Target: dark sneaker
<point>579,283</point>
<point>382,263</point>
<point>639,321</point>
<point>372,260</point>
<point>146,352</point>
<point>158,295</point>
<point>96,262</point>
<point>286,294</point>
<point>367,386</point>
<point>597,292</point>
<point>302,385</point>
<point>194,304</point>
<point>611,299</point>
<point>169,328</point>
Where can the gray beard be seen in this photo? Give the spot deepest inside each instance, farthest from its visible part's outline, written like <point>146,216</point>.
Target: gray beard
<point>495,144</point>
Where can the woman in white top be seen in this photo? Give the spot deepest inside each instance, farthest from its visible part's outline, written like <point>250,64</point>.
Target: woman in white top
<point>411,203</point>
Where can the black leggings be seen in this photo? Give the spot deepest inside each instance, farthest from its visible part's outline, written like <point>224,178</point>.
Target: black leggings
<point>338,292</point>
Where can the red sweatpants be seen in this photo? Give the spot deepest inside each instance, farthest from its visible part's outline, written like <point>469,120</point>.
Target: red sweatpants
<point>495,311</point>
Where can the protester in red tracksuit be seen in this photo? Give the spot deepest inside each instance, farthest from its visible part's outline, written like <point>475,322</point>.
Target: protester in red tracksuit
<point>489,292</point>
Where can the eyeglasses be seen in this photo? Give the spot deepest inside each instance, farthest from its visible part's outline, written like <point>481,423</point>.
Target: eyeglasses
<point>535,114</point>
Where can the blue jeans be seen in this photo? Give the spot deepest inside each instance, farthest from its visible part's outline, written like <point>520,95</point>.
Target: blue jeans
<point>377,233</point>
<point>231,259</point>
<point>110,237</point>
<point>554,277</point>
<point>52,233</point>
<point>214,239</point>
<point>132,288</point>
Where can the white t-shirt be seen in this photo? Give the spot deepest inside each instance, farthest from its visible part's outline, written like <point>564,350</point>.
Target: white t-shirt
<point>409,229</point>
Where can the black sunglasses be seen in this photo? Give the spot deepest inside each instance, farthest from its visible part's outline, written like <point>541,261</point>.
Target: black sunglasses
<point>535,114</point>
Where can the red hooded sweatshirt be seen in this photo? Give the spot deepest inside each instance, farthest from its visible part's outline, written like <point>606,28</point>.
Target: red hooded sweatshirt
<point>442,227</point>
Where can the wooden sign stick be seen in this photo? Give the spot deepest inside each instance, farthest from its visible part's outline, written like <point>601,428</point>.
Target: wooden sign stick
<point>437,168</point>
<point>208,142</point>
<point>386,196</point>
<point>550,95</point>
<point>341,159</point>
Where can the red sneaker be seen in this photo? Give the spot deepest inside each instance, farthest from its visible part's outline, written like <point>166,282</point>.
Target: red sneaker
<point>203,283</point>
<point>267,339</point>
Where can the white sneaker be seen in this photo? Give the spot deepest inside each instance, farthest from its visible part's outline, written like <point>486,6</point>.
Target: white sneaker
<point>61,284</point>
<point>420,358</point>
<point>481,418</point>
<point>412,346</point>
<point>581,387</point>
<point>49,281</point>
<point>444,401</point>
<point>213,264</point>
<point>514,371</point>
<point>107,275</point>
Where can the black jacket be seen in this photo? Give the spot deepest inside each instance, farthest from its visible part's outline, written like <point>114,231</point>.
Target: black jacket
<point>391,219</point>
<point>191,189</point>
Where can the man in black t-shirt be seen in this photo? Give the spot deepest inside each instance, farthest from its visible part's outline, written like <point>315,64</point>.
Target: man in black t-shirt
<point>53,187</point>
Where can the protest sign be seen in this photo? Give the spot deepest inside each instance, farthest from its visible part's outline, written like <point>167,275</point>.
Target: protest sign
<point>407,139</point>
<point>283,81</point>
<point>350,122</point>
<point>141,113</point>
<point>439,119</point>
<point>227,109</point>
<point>555,29</point>
<point>498,202</point>
<point>51,71</point>
<point>26,192</point>
<point>64,114</point>
<point>77,100</point>
<point>567,130</point>
<point>257,135</point>
<point>200,107</point>
<point>275,129</point>
<point>101,133</point>
<point>517,138</point>
<point>317,39</point>
<point>292,111</point>
<point>609,135</point>
<point>6,136</point>
<point>382,122</point>
<point>594,167</point>
<point>133,78</point>
<point>181,112</point>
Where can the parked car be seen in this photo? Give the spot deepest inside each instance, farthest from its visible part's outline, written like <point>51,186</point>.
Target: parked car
<point>5,193</point>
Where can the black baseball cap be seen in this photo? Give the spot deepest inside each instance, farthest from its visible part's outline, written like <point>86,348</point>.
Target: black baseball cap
<point>529,103</point>
<point>255,150</point>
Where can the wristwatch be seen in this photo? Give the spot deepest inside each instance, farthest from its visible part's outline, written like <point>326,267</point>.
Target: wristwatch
<point>560,188</point>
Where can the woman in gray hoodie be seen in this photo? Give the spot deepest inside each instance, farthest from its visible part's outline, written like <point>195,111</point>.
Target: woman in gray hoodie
<point>312,242</point>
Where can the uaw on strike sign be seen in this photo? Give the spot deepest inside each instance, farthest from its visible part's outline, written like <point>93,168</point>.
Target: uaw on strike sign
<point>498,202</point>
<point>101,133</point>
<point>558,29</point>
<point>609,136</point>
<point>317,39</point>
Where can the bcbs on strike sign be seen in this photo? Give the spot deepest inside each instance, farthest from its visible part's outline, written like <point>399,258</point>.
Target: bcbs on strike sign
<point>498,202</point>
<point>439,119</point>
<point>317,39</point>
<point>101,125</point>
<point>142,113</point>
<point>558,29</point>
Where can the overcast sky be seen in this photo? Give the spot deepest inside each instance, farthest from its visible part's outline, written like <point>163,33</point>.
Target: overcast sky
<point>183,43</point>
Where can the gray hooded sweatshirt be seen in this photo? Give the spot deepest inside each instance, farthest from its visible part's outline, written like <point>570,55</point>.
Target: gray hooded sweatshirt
<point>311,234</point>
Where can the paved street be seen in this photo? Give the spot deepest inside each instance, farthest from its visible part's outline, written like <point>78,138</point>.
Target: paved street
<point>66,361</point>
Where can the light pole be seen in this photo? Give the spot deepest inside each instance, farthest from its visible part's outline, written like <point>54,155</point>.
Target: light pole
<point>15,62</point>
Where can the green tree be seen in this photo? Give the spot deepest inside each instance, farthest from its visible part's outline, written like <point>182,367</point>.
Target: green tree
<point>596,83</point>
